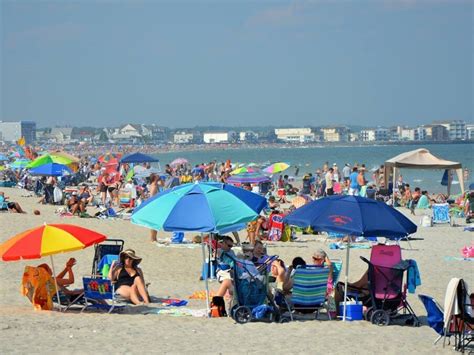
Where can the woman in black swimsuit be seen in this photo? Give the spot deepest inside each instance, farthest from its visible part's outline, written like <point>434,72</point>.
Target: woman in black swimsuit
<point>128,278</point>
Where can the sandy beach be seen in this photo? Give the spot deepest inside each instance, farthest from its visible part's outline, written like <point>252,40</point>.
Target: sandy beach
<point>174,272</point>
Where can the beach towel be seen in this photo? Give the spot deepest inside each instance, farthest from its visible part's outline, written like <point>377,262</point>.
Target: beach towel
<point>275,227</point>
<point>201,295</point>
<point>38,286</point>
<point>413,276</point>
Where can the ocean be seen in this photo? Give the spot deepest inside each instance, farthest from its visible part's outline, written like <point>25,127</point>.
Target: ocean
<point>311,158</point>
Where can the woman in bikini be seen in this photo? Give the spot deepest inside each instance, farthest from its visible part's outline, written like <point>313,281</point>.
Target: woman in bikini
<point>128,278</point>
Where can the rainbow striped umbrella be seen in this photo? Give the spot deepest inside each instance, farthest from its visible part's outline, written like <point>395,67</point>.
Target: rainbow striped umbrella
<point>48,239</point>
<point>276,168</point>
<point>243,169</point>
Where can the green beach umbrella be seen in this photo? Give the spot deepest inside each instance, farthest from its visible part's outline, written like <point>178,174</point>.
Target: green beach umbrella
<point>49,159</point>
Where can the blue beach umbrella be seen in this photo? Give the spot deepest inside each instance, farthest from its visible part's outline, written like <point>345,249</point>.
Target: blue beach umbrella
<point>201,207</point>
<point>138,158</point>
<point>354,216</point>
<point>51,169</point>
<point>3,157</point>
<point>204,207</point>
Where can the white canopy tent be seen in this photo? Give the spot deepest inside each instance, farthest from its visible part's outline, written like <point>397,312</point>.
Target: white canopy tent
<point>421,159</point>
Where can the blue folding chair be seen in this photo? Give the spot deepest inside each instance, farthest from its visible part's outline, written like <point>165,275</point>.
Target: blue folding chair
<point>435,316</point>
<point>97,292</point>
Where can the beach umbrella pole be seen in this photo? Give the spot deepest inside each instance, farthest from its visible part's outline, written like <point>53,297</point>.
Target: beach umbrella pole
<point>346,280</point>
<point>206,279</point>
<point>56,284</point>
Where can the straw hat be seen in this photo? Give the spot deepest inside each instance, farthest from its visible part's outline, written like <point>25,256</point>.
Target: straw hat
<point>131,254</point>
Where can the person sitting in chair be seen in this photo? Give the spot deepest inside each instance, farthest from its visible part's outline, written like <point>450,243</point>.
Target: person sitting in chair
<point>11,206</point>
<point>62,281</point>
<point>128,278</point>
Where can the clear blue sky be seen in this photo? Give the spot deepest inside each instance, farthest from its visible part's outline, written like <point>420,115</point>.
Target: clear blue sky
<point>180,64</point>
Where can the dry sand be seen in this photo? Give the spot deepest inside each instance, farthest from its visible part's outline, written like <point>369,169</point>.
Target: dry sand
<point>175,272</point>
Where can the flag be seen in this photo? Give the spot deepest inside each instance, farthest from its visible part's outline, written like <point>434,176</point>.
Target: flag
<point>21,142</point>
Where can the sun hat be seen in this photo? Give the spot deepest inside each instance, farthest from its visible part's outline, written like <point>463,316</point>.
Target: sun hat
<point>131,254</point>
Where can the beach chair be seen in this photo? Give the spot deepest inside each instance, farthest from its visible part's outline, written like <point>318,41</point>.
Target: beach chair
<point>3,204</point>
<point>440,213</point>
<point>126,198</point>
<point>108,247</point>
<point>310,284</point>
<point>434,317</point>
<point>97,292</point>
<point>386,286</point>
<point>458,314</point>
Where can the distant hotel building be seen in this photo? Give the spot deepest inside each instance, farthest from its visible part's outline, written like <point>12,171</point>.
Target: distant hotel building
<point>294,135</point>
<point>219,137</point>
<point>12,131</point>
<point>456,129</point>
<point>335,134</point>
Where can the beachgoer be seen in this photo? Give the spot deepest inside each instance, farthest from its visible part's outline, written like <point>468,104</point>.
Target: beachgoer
<point>346,173</point>
<point>128,278</point>
<point>288,284</point>
<point>62,281</point>
<point>12,206</point>
<point>353,184</point>
<point>329,182</point>
<point>361,181</point>
<point>278,271</point>
<point>153,191</point>
<point>74,204</point>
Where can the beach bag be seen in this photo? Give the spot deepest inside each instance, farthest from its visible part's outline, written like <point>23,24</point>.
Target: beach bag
<point>57,195</point>
<point>426,221</point>
<point>177,237</point>
<point>217,307</point>
<point>286,236</point>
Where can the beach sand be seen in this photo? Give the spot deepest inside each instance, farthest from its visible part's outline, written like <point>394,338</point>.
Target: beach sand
<point>174,272</point>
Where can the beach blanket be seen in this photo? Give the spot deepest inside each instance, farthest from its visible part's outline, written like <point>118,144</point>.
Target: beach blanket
<point>344,246</point>
<point>178,312</point>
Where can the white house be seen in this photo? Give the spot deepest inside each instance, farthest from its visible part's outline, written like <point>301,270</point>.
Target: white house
<point>296,135</point>
<point>183,138</point>
<point>367,135</point>
<point>335,134</point>
<point>216,137</point>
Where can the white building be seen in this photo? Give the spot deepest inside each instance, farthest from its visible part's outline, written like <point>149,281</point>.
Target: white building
<point>406,134</point>
<point>295,135</point>
<point>217,137</point>
<point>470,131</point>
<point>183,138</point>
<point>248,136</point>
<point>13,131</point>
<point>456,129</point>
<point>61,134</point>
<point>367,135</point>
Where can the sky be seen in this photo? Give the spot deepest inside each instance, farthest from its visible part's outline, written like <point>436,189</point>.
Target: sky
<point>236,63</point>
